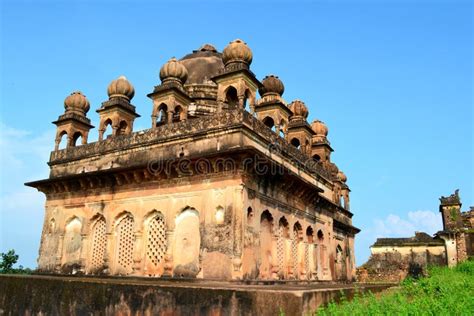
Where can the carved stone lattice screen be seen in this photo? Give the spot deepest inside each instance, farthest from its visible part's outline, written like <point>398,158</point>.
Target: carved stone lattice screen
<point>280,250</point>
<point>99,243</point>
<point>294,253</point>
<point>156,240</point>
<point>125,243</point>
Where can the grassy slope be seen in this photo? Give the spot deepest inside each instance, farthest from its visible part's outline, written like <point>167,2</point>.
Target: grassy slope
<point>447,291</point>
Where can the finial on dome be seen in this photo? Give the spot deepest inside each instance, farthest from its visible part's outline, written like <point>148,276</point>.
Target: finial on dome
<point>173,70</point>
<point>207,48</point>
<point>121,88</point>
<point>77,102</point>
<point>298,108</point>
<point>237,52</point>
<point>271,84</point>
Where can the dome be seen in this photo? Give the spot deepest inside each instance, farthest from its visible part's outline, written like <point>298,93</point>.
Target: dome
<point>173,69</point>
<point>237,51</point>
<point>202,64</point>
<point>341,176</point>
<point>77,102</point>
<point>319,128</point>
<point>121,87</point>
<point>271,84</point>
<point>299,108</point>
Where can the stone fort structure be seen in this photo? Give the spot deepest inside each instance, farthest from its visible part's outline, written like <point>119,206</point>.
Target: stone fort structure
<point>392,259</point>
<point>224,185</point>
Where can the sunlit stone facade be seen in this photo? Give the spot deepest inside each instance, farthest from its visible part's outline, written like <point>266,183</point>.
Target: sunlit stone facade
<point>224,185</point>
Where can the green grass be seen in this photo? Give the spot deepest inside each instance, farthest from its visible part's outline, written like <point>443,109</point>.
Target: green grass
<point>446,291</point>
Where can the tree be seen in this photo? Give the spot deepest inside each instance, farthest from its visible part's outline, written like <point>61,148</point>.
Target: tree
<point>7,261</point>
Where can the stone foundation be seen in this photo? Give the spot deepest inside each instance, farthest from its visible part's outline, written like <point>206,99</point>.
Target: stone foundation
<point>58,295</point>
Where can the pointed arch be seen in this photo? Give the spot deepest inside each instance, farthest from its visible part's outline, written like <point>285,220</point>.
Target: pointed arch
<point>156,243</point>
<point>125,243</point>
<point>77,137</point>
<point>282,248</point>
<point>60,143</point>
<point>122,128</point>
<point>178,113</point>
<point>187,243</point>
<point>269,122</point>
<point>98,242</point>
<point>266,228</point>
<point>72,240</point>
<point>231,96</point>
<point>107,132</point>
<point>295,142</point>
<point>162,114</point>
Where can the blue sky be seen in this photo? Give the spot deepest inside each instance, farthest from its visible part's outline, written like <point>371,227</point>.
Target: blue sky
<point>393,80</point>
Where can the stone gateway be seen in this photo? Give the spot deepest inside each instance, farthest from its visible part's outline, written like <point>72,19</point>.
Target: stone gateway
<point>223,186</point>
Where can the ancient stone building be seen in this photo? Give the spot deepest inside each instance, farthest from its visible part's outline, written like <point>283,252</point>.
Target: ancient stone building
<point>392,259</point>
<point>224,185</point>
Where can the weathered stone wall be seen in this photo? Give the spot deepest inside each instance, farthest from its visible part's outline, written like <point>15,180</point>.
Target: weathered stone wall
<point>46,295</point>
<point>396,263</point>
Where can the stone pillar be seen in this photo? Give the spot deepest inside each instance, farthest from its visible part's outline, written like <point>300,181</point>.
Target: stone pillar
<point>84,252</point>
<point>275,267</point>
<point>238,229</point>
<point>170,116</point>
<point>137,254</point>
<point>59,254</point>
<point>153,121</point>
<point>101,134</point>
<point>168,267</point>
<point>108,256</point>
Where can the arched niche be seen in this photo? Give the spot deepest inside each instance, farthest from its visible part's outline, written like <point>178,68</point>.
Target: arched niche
<point>187,244</point>
<point>72,241</point>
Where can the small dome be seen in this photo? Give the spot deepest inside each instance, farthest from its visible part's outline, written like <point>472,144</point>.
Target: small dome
<point>121,87</point>
<point>333,168</point>
<point>271,84</point>
<point>299,108</point>
<point>173,69</point>
<point>77,102</point>
<point>341,176</point>
<point>319,128</point>
<point>237,51</point>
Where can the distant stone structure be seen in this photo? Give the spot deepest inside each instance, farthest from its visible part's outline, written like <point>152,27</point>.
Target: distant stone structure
<point>222,186</point>
<point>392,259</point>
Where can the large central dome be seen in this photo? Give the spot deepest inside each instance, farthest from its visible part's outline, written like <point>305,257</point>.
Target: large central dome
<point>203,64</point>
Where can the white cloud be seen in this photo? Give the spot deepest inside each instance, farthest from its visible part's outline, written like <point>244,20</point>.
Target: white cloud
<point>395,226</point>
<point>23,157</point>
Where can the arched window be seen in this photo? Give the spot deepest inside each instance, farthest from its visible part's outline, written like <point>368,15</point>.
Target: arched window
<point>125,244</point>
<point>283,236</point>
<point>107,130</point>
<point>76,139</point>
<point>231,97</point>
<point>309,235</point>
<point>162,117</point>
<point>155,244</point>
<point>295,142</point>
<point>219,216</point>
<point>177,115</point>
<point>249,216</point>
<point>62,144</point>
<point>187,242</point>
<point>122,129</point>
<point>99,244</point>
<point>269,122</point>
<point>266,227</point>
<point>316,158</point>
<point>247,96</point>
<point>297,238</point>
<point>72,241</point>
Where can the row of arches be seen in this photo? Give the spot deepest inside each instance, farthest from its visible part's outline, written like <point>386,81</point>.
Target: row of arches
<point>290,251</point>
<point>128,246</point>
<point>165,114</point>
